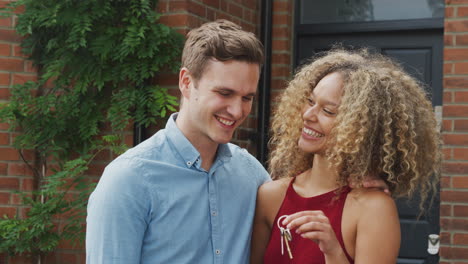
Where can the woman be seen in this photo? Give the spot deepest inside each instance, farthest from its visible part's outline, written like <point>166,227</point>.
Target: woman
<point>345,117</point>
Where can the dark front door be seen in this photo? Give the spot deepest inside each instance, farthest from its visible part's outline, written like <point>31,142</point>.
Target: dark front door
<point>417,45</point>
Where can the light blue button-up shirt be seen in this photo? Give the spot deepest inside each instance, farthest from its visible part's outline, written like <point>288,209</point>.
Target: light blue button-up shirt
<point>155,204</point>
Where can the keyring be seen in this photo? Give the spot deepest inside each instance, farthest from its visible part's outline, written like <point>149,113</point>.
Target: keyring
<point>285,236</point>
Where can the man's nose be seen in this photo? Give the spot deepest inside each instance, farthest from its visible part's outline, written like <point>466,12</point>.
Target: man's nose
<point>235,109</point>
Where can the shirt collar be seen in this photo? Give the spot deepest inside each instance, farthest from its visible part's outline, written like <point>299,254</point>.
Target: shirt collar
<point>188,152</point>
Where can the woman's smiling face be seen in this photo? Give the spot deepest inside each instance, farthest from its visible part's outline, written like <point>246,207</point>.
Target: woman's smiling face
<point>319,113</point>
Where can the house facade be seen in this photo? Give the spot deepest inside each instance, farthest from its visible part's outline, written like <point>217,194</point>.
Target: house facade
<point>429,37</point>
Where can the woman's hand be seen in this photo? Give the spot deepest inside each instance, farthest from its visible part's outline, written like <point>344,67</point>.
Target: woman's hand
<point>314,225</point>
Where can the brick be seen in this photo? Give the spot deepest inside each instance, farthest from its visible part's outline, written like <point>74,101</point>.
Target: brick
<point>176,20</point>
<point>64,257</point>
<point>18,51</point>
<point>248,15</point>
<point>456,82</point>
<point>454,252</point>
<point>455,168</point>
<point>461,68</point>
<point>250,4</point>
<point>4,79</point>
<point>16,199</point>
<point>281,6</point>
<point>281,32</point>
<point>460,182</point>
<point>167,79</point>
<point>9,35</point>
<point>27,184</point>
<point>455,110</point>
<point>21,260</point>
<point>454,196</point>
<point>4,197</point>
<point>97,169</point>
<point>281,45</point>
<point>11,64</point>
<point>281,59</point>
<point>455,54</point>
<point>456,26</point>
<point>461,40</point>
<point>462,11</point>
<point>281,19</point>
<point>22,78</point>
<point>456,2</point>
<point>29,67</point>
<point>447,97</point>
<point>9,183</point>
<point>461,125</point>
<point>19,169</point>
<point>5,22</point>
<point>445,238</point>
<point>5,49</point>
<point>446,182</point>
<point>460,211</point>
<point>280,71</point>
<point>455,139</point>
<point>235,10</point>
<point>9,211</point>
<point>5,94</point>
<point>454,224</point>
<point>3,168</point>
<point>449,11</point>
<point>210,14</point>
<point>9,154</point>
<point>461,154</point>
<point>212,3</point>
<point>445,210</point>
<point>447,125</point>
<point>449,40</point>
<point>447,154</point>
<point>4,137</point>
<point>448,68</point>
<point>461,97</point>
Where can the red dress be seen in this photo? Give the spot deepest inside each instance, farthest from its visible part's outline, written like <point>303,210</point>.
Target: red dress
<point>305,251</point>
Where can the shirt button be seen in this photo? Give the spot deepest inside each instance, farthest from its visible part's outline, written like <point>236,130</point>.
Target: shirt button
<point>189,163</point>
<point>214,213</point>
<point>218,252</point>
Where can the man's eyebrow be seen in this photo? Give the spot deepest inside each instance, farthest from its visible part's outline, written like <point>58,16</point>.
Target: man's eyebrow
<point>226,89</point>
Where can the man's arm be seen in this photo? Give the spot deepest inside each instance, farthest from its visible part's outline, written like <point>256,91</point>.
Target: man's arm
<point>117,217</point>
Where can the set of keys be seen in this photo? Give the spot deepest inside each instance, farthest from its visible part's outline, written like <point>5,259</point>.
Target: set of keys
<point>285,237</point>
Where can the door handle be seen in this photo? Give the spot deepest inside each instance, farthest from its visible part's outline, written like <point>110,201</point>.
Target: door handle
<point>433,243</point>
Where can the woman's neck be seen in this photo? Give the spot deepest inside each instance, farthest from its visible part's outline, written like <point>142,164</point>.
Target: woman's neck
<point>321,178</point>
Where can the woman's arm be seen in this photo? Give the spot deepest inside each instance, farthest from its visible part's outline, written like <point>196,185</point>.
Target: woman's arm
<point>261,230</point>
<point>269,198</point>
<point>378,229</point>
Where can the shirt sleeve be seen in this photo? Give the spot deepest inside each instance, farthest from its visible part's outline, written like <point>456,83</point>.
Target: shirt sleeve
<point>117,217</point>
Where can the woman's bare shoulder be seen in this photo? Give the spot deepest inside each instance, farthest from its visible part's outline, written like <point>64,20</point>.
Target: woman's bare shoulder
<point>270,197</point>
<point>273,188</point>
<point>367,200</point>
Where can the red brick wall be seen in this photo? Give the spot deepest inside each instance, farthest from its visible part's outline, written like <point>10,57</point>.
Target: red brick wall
<point>14,174</point>
<point>454,184</point>
<point>281,68</point>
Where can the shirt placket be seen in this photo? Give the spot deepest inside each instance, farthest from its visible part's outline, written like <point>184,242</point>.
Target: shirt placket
<point>215,221</point>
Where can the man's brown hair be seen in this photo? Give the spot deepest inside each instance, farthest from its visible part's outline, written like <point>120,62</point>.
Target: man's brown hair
<point>221,40</point>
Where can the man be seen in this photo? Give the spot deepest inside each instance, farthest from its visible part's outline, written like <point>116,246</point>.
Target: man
<point>186,195</point>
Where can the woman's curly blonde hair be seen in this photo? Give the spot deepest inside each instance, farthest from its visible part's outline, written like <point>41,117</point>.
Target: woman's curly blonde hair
<point>385,126</point>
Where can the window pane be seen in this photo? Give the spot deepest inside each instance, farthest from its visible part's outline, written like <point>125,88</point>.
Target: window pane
<point>338,11</point>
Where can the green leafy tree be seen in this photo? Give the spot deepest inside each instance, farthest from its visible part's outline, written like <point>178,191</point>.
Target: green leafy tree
<point>95,60</point>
